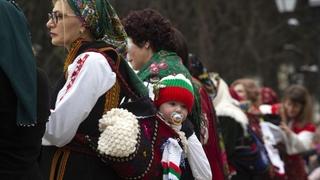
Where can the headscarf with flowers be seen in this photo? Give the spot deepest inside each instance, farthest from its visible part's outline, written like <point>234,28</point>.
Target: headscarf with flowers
<point>104,24</point>
<point>101,19</point>
<point>162,64</point>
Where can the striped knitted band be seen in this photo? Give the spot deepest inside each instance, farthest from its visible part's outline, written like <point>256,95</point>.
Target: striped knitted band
<point>174,88</point>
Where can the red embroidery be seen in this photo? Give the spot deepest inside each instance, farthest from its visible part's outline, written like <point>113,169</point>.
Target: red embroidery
<point>75,73</point>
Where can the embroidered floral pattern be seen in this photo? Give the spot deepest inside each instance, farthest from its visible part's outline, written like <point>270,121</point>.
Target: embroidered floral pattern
<point>155,67</point>
<point>101,19</point>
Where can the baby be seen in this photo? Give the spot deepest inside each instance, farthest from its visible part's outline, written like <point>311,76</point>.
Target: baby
<point>174,98</point>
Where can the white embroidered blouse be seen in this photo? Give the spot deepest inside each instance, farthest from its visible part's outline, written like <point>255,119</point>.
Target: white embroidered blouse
<point>89,77</point>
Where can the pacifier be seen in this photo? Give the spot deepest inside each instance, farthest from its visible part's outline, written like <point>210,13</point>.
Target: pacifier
<point>176,118</point>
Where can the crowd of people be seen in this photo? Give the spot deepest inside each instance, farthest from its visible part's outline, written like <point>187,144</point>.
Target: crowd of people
<point>133,103</point>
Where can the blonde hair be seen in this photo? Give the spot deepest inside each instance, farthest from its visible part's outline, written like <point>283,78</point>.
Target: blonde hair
<point>251,88</point>
<point>54,1</point>
<point>65,5</point>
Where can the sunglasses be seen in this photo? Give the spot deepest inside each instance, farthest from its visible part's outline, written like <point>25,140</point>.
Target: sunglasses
<point>56,16</point>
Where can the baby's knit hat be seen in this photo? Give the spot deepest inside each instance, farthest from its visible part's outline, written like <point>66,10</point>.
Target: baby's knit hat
<point>174,88</point>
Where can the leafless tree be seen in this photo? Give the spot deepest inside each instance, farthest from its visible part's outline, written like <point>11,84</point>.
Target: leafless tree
<point>235,38</point>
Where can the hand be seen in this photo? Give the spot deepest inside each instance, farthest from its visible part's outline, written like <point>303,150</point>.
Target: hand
<point>282,113</point>
<point>176,127</point>
<point>254,110</point>
<point>285,127</point>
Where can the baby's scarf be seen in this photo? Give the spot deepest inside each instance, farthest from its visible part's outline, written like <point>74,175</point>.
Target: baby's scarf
<point>170,161</point>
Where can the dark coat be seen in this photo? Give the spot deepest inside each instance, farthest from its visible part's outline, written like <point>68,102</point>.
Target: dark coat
<point>20,146</point>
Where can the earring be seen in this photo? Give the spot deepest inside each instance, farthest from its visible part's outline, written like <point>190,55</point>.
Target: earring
<point>147,44</point>
<point>81,31</point>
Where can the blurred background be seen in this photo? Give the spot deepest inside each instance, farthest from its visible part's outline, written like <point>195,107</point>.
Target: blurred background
<point>276,42</point>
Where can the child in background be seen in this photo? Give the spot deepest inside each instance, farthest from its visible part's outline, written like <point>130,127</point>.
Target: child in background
<point>174,99</point>
<point>297,128</point>
<point>295,111</point>
<point>313,157</point>
<point>296,123</point>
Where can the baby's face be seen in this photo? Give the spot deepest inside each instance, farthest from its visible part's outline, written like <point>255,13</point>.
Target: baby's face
<point>168,108</point>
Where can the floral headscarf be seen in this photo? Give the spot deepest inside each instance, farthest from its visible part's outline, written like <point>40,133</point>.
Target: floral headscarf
<point>101,19</point>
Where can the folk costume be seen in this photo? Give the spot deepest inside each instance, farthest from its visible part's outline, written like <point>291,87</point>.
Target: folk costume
<point>158,153</point>
<point>293,144</point>
<point>214,146</point>
<point>179,89</point>
<point>233,124</point>
<point>297,142</point>
<point>145,165</point>
<point>24,98</point>
<point>162,64</point>
<point>237,133</point>
<point>95,80</point>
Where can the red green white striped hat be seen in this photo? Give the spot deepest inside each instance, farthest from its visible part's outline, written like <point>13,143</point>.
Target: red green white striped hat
<point>174,88</point>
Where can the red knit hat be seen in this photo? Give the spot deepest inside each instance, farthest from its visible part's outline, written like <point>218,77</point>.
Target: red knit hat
<point>174,88</point>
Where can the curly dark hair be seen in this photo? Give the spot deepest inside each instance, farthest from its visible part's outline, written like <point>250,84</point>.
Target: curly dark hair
<point>181,47</point>
<point>148,25</point>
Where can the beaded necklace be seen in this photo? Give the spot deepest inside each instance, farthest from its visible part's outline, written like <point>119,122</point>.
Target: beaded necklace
<point>72,53</point>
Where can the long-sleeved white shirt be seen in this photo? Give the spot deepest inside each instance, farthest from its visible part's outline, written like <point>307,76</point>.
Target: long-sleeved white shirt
<point>198,160</point>
<point>89,77</point>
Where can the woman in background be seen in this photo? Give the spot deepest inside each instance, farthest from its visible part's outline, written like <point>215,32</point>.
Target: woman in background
<point>211,139</point>
<point>150,52</point>
<point>233,124</point>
